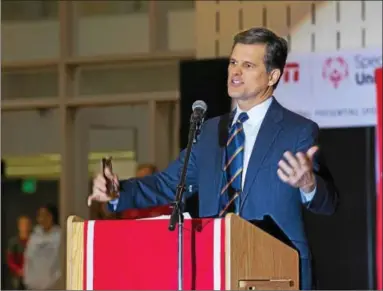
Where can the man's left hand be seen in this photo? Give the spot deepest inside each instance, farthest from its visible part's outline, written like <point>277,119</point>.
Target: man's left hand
<point>297,171</point>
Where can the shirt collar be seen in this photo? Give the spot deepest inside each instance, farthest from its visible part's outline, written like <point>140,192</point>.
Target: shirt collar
<point>256,114</point>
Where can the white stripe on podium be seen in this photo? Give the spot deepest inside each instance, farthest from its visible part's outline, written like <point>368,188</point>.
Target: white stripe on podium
<point>89,255</point>
<point>217,254</point>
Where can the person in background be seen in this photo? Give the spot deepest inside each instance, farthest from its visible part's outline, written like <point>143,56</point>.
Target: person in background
<point>42,256</point>
<point>16,250</point>
<point>144,170</point>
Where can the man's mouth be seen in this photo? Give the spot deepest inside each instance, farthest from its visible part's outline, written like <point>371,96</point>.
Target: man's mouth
<point>236,82</point>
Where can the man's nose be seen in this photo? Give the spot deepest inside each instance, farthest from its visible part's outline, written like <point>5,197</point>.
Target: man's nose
<point>236,71</point>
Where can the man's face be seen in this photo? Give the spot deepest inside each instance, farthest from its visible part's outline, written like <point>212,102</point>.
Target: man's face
<point>247,76</point>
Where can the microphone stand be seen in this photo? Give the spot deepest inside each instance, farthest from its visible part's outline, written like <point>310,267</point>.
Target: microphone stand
<point>178,205</point>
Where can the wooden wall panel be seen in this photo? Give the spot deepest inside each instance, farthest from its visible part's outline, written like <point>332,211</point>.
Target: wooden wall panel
<point>309,26</point>
<point>228,25</point>
<point>205,32</point>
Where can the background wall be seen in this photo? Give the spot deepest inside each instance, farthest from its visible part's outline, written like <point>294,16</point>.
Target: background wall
<point>111,128</point>
<point>117,27</point>
<point>309,26</point>
<point>105,28</point>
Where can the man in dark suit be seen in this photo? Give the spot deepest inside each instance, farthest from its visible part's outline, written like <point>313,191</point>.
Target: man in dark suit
<point>261,159</point>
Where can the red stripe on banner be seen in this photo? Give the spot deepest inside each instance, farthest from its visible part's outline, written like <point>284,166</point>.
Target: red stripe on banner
<point>223,252</point>
<point>142,254</point>
<point>379,198</point>
<point>85,254</point>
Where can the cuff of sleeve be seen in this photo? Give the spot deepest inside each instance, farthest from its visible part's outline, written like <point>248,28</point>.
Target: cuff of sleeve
<point>124,201</point>
<point>307,197</point>
<point>112,205</point>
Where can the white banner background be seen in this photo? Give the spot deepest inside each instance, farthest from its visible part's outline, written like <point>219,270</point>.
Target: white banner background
<point>335,89</point>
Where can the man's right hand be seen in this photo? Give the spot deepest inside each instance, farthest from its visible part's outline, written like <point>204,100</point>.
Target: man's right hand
<point>99,187</point>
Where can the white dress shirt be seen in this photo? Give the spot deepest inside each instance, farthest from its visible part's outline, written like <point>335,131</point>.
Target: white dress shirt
<point>251,128</point>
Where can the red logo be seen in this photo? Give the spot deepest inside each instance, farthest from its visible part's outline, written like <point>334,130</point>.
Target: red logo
<point>291,73</point>
<point>335,70</point>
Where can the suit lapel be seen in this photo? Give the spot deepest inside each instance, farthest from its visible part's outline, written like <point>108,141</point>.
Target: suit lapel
<point>269,130</point>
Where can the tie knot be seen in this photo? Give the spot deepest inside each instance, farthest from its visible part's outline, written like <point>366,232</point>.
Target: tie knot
<point>242,117</point>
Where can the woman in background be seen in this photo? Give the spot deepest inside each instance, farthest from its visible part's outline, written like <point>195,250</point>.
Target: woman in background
<point>16,251</point>
<point>42,256</point>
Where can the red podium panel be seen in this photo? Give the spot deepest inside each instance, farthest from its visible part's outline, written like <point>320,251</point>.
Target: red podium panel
<point>142,255</point>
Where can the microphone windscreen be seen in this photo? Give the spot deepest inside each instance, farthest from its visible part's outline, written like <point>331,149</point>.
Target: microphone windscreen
<point>199,104</point>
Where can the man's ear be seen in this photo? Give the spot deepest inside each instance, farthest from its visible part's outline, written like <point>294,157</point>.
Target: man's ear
<point>274,76</point>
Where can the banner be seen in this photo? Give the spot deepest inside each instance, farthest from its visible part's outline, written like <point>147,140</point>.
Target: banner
<point>335,89</point>
<point>379,182</point>
<point>340,89</point>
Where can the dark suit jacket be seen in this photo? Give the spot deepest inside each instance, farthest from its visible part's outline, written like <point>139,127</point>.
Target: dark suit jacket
<point>264,194</point>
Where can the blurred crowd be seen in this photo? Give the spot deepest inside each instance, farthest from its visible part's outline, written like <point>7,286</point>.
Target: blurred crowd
<point>33,255</point>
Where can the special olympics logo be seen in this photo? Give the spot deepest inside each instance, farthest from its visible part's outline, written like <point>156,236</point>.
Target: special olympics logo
<point>335,70</point>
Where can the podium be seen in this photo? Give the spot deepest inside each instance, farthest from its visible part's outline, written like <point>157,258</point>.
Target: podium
<point>219,254</point>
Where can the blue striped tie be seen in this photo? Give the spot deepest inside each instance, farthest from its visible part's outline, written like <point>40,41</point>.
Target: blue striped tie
<point>234,161</point>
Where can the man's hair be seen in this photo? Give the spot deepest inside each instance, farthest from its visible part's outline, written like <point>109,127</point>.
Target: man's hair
<point>151,167</point>
<point>276,47</point>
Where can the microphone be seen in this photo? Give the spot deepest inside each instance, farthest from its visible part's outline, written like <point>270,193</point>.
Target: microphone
<point>199,108</point>
<point>196,119</point>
